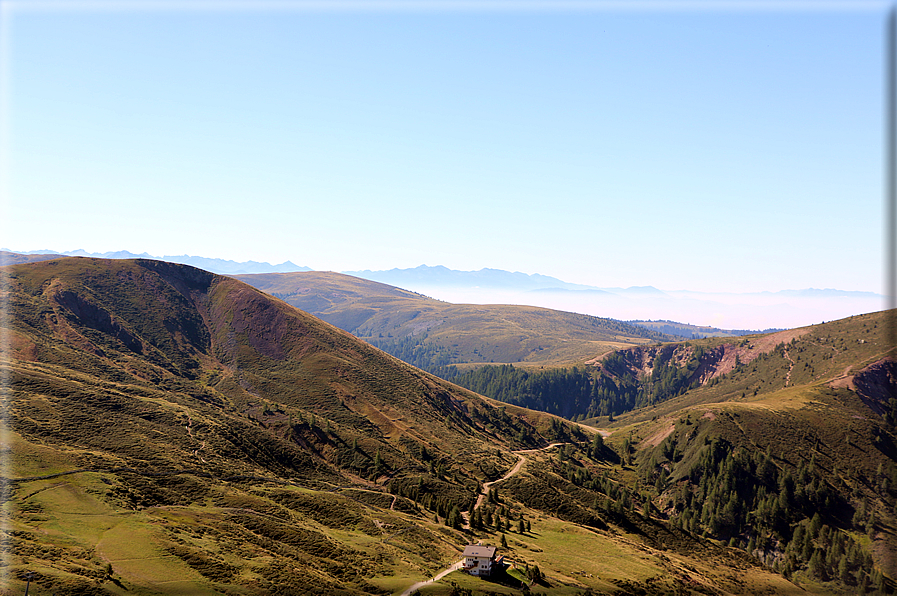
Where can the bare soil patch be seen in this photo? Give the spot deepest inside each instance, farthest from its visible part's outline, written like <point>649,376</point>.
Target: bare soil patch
<point>658,437</point>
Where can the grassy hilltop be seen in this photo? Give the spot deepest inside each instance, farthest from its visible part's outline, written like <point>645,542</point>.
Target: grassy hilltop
<point>171,431</point>
<point>430,333</point>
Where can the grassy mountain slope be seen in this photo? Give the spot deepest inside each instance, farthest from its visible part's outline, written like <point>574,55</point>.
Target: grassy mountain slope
<point>723,369</point>
<point>783,445</point>
<point>171,431</point>
<point>431,333</point>
<point>172,383</point>
<point>13,258</point>
<point>779,444</point>
<point>653,375</point>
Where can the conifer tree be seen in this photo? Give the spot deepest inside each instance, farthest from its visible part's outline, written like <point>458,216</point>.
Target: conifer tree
<point>844,570</point>
<point>862,581</point>
<point>816,566</point>
<point>454,519</point>
<point>878,580</point>
<point>476,521</point>
<point>597,446</point>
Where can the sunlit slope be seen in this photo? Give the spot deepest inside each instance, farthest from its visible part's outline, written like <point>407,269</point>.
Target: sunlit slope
<point>849,353</point>
<point>431,333</point>
<point>171,384</point>
<point>785,447</point>
<point>176,432</point>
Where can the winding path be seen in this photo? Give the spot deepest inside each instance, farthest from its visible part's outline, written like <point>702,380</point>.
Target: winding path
<point>435,578</point>
<point>481,499</point>
<point>790,368</point>
<point>484,494</point>
<point>202,444</point>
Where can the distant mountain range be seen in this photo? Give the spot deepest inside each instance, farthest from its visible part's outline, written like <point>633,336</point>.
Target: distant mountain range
<point>499,279</point>
<point>484,278</point>
<point>221,266</point>
<point>717,311</point>
<point>720,310</point>
<point>432,276</point>
<point>492,279</point>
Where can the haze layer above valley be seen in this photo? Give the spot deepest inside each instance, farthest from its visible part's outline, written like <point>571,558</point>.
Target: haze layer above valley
<point>778,309</point>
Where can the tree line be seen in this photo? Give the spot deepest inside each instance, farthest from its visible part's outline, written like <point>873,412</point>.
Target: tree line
<point>578,393</point>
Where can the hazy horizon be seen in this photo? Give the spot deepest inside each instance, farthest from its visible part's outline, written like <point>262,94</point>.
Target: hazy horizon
<point>737,148</point>
<point>303,267</point>
<point>754,311</point>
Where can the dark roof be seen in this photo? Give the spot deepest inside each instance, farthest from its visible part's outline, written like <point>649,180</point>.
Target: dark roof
<point>479,551</point>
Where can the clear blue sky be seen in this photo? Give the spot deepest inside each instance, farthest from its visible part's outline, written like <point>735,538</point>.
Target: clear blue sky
<point>714,149</point>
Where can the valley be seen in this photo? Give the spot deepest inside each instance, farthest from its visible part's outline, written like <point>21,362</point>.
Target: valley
<point>172,431</point>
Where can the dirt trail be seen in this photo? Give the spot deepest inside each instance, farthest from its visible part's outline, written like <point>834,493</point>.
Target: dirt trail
<point>484,494</point>
<point>202,444</point>
<point>845,379</point>
<point>481,499</point>
<point>435,578</point>
<point>790,368</point>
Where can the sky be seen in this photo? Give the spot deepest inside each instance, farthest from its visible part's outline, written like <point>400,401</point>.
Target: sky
<point>716,147</point>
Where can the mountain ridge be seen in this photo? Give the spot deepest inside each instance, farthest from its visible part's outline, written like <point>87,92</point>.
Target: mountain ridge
<point>493,277</point>
<point>724,310</point>
<point>167,422</point>
<point>430,333</point>
<point>156,387</point>
<point>215,265</point>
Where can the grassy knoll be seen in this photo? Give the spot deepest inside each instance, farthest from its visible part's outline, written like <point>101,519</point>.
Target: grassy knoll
<point>251,538</point>
<point>75,540</point>
<point>430,333</point>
